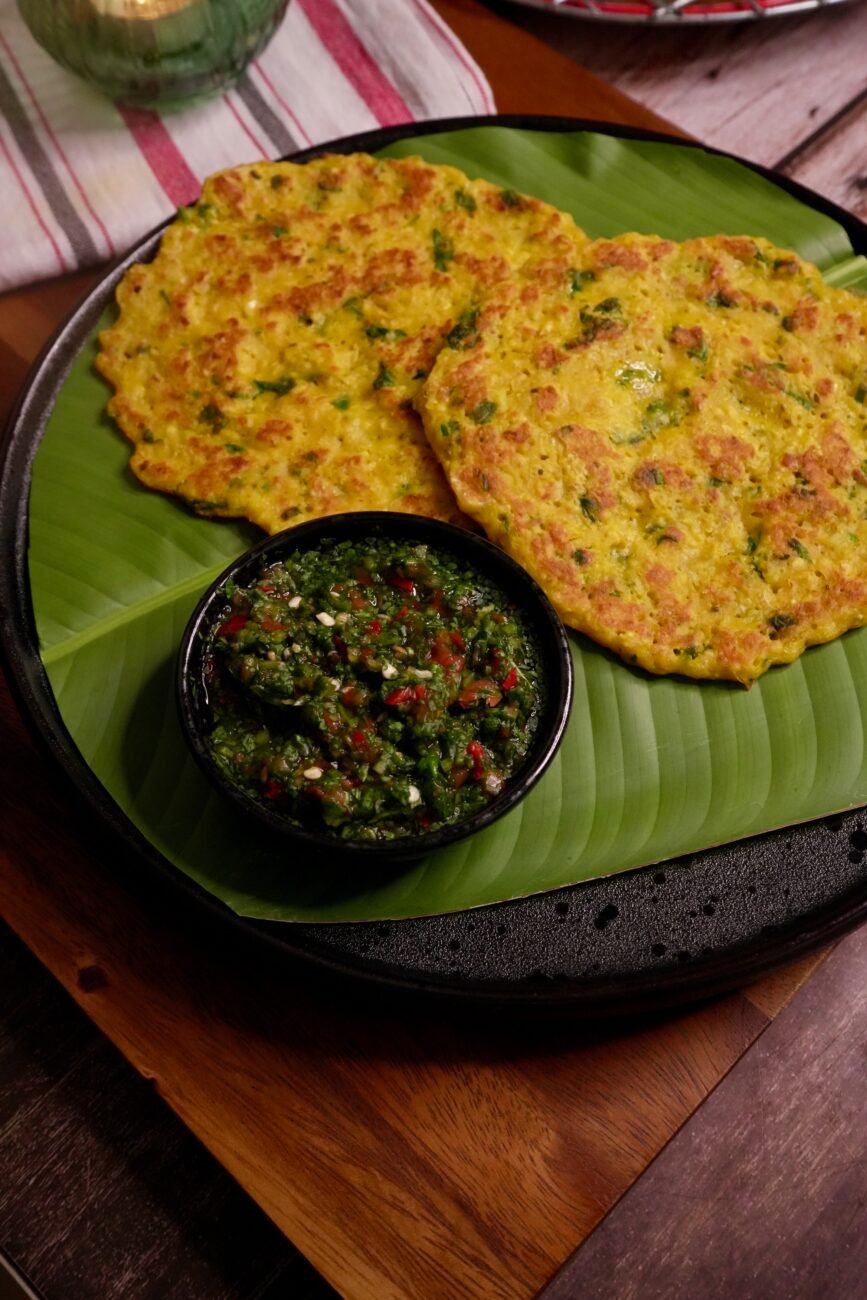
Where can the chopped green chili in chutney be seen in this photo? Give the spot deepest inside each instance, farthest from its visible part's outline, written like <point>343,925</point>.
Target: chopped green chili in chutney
<point>375,689</point>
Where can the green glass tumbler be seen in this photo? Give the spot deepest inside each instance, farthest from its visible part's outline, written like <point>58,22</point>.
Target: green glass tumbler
<point>154,53</point>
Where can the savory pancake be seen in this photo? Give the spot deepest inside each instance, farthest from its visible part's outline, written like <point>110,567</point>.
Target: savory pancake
<point>265,362</point>
<point>672,439</point>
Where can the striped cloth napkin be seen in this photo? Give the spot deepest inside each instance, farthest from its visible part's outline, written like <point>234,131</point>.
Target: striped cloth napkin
<point>81,179</point>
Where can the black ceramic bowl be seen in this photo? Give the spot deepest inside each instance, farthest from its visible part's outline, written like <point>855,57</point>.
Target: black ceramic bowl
<point>488,560</point>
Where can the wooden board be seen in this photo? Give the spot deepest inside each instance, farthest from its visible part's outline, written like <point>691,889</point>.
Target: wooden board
<point>404,1154</point>
<point>397,1151</point>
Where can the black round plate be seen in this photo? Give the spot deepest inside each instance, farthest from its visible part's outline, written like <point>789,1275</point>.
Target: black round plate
<point>647,939</point>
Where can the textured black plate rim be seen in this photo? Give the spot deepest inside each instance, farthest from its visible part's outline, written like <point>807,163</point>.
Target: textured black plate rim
<point>649,989</point>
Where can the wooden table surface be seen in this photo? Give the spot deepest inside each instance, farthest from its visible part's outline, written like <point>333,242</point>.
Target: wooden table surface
<point>411,1156</point>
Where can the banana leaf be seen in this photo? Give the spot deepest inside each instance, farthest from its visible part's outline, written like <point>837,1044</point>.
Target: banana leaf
<point>651,768</point>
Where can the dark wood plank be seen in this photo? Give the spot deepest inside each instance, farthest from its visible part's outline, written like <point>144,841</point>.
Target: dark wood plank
<point>104,1195</point>
<point>755,88</point>
<point>834,162</point>
<point>763,1194</point>
<point>14,1285</point>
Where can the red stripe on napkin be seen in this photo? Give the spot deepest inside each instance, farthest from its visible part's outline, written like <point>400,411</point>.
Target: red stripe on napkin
<point>282,102</point>
<point>56,143</point>
<point>33,208</point>
<point>444,32</point>
<point>243,125</point>
<point>355,62</point>
<point>161,154</point>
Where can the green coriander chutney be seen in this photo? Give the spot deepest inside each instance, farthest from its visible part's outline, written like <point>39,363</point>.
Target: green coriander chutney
<point>373,689</point>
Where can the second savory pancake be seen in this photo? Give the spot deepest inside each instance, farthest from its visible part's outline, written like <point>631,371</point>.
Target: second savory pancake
<point>266,360</point>
<point>672,438</point>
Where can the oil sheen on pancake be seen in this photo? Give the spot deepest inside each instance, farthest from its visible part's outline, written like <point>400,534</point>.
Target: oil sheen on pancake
<point>265,362</point>
<point>672,439</point>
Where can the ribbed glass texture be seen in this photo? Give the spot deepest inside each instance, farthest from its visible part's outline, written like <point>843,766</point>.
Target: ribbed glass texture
<point>151,53</point>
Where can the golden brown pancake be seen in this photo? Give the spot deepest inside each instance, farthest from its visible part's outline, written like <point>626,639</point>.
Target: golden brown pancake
<point>265,362</point>
<point>672,438</point>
